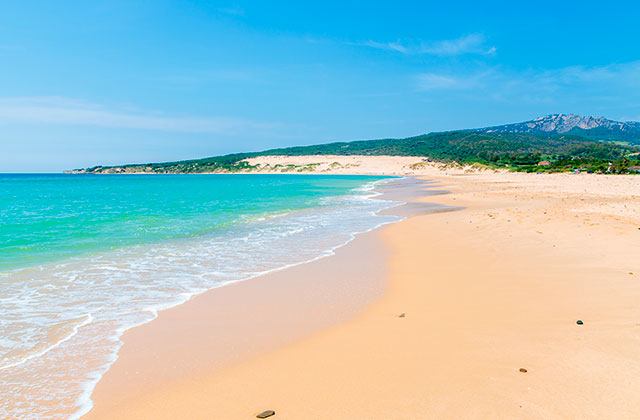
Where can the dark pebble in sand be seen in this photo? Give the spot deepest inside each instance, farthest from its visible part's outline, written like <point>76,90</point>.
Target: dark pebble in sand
<point>579,322</point>
<point>402,315</point>
<point>266,414</point>
<point>523,370</point>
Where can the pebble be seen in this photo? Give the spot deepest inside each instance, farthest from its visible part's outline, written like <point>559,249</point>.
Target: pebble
<point>265,414</point>
<point>523,370</point>
<point>579,322</point>
<point>402,315</point>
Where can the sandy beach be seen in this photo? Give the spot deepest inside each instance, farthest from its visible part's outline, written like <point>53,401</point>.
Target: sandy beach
<point>319,210</point>
<point>469,313</point>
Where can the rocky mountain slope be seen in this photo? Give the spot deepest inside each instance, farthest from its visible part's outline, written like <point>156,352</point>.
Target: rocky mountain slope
<point>597,128</point>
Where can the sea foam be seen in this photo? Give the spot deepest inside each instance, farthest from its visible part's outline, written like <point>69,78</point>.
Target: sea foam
<point>62,322</point>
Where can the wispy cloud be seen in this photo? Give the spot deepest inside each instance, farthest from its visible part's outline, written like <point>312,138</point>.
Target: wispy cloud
<point>627,73</point>
<point>566,84</point>
<point>67,111</point>
<point>452,81</point>
<point>387,46</point>
<point>608,82</point>
<point>434,81</point>
<point>467,44</point>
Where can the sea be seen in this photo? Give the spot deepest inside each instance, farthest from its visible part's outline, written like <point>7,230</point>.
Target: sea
<point>83,258</point>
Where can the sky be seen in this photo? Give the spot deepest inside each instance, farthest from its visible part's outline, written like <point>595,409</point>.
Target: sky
<point>110,82</point>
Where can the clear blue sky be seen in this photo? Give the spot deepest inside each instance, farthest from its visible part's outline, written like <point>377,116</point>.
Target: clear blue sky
<point>88,82</point>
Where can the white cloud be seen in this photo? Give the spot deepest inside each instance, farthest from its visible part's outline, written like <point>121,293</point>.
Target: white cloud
<point>620,72</point>
<point>467,44</point>
<point>388,46</point>
<point>571,85</point>
<point>432,81</point>
<point>66,111</point>
<point>452,81</point>
<point>607,82</point>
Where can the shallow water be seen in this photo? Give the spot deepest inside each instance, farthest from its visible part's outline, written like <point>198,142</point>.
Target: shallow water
<point>83,258</point>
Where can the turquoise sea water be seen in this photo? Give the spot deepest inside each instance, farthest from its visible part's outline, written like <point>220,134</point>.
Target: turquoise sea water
<point>49,217</point>
<point>84,258</point>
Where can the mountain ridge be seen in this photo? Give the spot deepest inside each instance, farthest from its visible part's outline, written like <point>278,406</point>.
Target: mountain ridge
<point>557,142</point>
<point>592,127</point>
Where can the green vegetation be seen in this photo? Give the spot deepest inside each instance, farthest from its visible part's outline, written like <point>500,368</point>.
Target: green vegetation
<point>515,151</point>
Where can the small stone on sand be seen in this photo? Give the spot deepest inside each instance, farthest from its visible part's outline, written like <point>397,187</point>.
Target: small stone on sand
<point>523,370</point>
<point>402,315</point>
<point>265,414</point>
<point>579,322</point>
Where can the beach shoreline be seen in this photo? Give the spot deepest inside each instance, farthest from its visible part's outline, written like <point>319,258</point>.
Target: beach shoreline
<point>465,300</point>
<point>272,222</point>
<point>239,304</point>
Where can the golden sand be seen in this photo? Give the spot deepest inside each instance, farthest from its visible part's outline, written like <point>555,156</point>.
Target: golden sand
<point>486,292</point>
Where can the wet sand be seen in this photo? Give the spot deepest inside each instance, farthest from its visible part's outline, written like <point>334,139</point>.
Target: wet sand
<point>486,290</point>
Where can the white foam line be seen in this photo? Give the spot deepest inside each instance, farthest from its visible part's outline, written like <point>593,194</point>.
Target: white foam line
<point>88,320</point>
<point>85,403</point>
